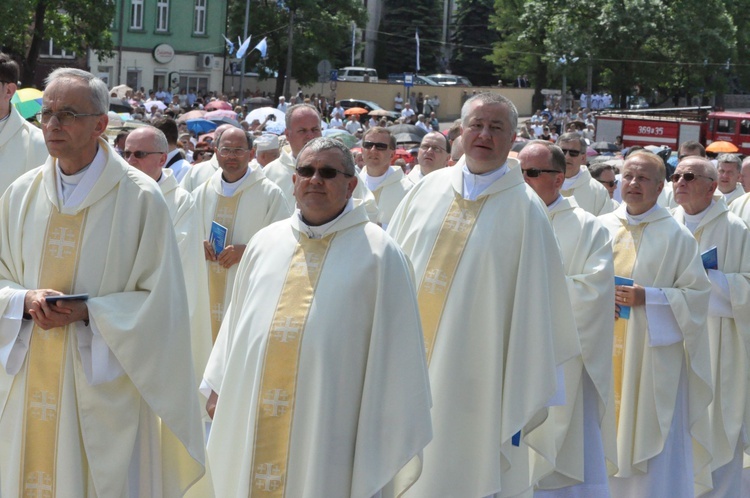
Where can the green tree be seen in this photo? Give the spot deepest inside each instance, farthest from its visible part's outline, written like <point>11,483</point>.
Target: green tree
<point>74,25</point>
<point>472,41</point>
<point>320,30</point>
<point>397,46</point>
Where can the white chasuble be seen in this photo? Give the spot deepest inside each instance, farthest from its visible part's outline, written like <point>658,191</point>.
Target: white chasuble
<point>389,193</point>
<point>667,259</point>
<point>590,195</point>
<point>22,148</point>
<point>741,207</point>
<point>140,433</point>
<point>319,367</point>
<point>504,328</point>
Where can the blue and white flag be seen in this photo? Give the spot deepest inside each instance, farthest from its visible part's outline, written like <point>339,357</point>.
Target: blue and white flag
<point>262,47</point>
<point>243,48</point>
<point>230,45</point>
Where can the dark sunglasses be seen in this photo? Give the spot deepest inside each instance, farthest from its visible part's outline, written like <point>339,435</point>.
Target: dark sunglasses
<point>571,152</point>
<point>325,173</point>
<point>534,173</point>
<point>689,177</point>
<point>377,145</point>
<point>610,184</point>
<point>139,154</point>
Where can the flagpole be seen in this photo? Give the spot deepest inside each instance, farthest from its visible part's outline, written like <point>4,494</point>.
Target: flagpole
<point>416,36</point>
<point>354,26</point>
<point>242,64</point>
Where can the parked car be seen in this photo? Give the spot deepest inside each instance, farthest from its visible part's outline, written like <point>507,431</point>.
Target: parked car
<point>398,78</point>
<point>450,80</point>
<point>370,106</point>
<point>350,73</point>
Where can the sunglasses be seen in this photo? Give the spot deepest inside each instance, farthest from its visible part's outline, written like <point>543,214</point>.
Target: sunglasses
<point>689,177</point>
<point>325,173</point>
<point>377,145</point>
<point>571,152</point>
<point>139,154</point>
<point>534,173</point>
<point>610,184</point>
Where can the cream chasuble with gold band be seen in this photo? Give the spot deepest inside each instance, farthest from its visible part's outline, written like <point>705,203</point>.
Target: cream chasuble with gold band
<point>505,326</point>
<point>590,195</point>
<point>351,372</point>
<point>667,258</point>
<point>389,193</point>
<point>729,335</point>
<point>140,433</point>
<point>257,202</point>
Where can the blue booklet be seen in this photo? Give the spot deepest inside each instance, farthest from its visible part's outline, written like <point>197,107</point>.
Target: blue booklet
<point>624,310</point>
<point>218,237</point>
<point>710,259</point>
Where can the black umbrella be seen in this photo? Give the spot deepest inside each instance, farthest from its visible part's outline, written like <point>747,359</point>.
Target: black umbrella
<point>604,147</point>
<point>408,138</point>
<point>119,105</point>
<point>407,128</point>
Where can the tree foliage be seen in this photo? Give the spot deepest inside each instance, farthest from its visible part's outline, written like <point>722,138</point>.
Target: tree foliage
<point>397,46</point>
<point>473,40</point>
<point>321,29</point>
<point>74,25</point>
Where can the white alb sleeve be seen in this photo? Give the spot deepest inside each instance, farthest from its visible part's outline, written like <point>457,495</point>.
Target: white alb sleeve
<point>15,334</point>
<point>99,363</point>
<point>720,302</point>
<point>663,329</point>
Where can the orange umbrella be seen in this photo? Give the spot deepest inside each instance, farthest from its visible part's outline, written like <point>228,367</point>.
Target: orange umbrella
<point>722,146</point>
<point>355,110</point>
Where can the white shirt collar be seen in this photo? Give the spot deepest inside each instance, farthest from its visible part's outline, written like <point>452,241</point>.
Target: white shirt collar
<point>555,203</point>
<point>637,219</point>
<point>474,185</point>
<point>317,232</point>
<point>570,181</point>
<point>693,220</point>
<point>373,182</point>
<point>73,189</point>
<point>228,189</point>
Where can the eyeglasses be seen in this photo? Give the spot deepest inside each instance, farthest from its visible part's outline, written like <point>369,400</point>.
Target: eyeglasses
<point>434,148</point>
<point>65,118</point>
<point>689,177</point>
<point>227,151</point>
<point>610,184</point>
<point>534,173</point>
<point>139,154</point>
<point>325,173</point>
<point>571,152</point>
<point>377,145</point>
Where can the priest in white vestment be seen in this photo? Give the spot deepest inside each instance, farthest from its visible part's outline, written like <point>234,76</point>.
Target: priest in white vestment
<point>661,361</point>
<point>713,226</point>
<point>22,146</point>
<point>741,207</point>
<point>434,153</point>
<point>586,440</point>
<point>240,199</point>
<point>97,396</point>
<point>728,167</point>
<point>199,173</point>
<point>319,367</point>
<point>146,149</point>
<point>495,312</point>
<point>387,183</point>
<point>302,125</point>
<point>590,195</point>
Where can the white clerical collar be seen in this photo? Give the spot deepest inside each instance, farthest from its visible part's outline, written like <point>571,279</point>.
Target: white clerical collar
<point>570,181</point>
<point>474,185</point>
<point>729,194</point>
<point>317,232</point>
<point>162,178</point>
<point>693,220</point>
<point>637,219</point>
<point>228,189</point>
<point>73,189</point>
<point>555,202</point>
<point>374,182</point>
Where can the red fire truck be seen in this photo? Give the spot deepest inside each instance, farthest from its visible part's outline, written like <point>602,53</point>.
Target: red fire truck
<point>674,126</point>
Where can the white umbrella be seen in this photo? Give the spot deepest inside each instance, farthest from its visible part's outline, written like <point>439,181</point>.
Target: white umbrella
<point>121,91</point>
<point>262,112</point>
<point>151,103</point>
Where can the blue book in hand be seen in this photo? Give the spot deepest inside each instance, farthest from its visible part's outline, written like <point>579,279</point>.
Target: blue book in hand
<point>218,237</point>
<point>710,259</point>
<point>624,310</point>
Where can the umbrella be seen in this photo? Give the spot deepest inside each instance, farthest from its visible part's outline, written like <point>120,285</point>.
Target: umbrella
<point>407,128</point>
<point>604,147</point>
<point>218,104</point>
<point>28,101</point>
<point>221,121</point>
<point>378,112</point>
<point>262,112</point>
<point>149,104</point>
<point>221,113</point>
<point>119,105</point>
<point>275,127</point>
<point>195,114</point>
<point>260,101</point>
<point>355,110</point>
<point>121,91</point>
<point>591,152</point>
<point>343,135</point>
<point>722,146</point>
<point>115,121</point>
<point>407,138</point>
<point>199,126</point>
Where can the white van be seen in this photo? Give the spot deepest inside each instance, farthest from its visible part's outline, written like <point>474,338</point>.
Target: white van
<point>366,74</point>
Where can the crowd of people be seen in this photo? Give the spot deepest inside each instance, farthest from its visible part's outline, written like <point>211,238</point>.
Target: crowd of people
<point>318,321</point>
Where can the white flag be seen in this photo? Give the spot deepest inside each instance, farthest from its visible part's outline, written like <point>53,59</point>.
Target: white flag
<point>262,47</point>
<point>243,48</point>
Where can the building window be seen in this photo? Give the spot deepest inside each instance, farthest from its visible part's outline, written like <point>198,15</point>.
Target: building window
<point>136,14</point>
<point>162,15</point>
<point>199,26</point>
<point>50,50</point>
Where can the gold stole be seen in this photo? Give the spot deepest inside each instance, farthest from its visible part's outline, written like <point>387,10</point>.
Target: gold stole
<point>625,250</point>
<point>567,193</point>
<point>376,194</point>
<point>273,427</point>
<point>225,215</point>
<point>441,266</point>
<point>46,358</point>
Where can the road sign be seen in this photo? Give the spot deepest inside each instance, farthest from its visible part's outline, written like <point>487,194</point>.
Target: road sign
<point>408,79</point>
